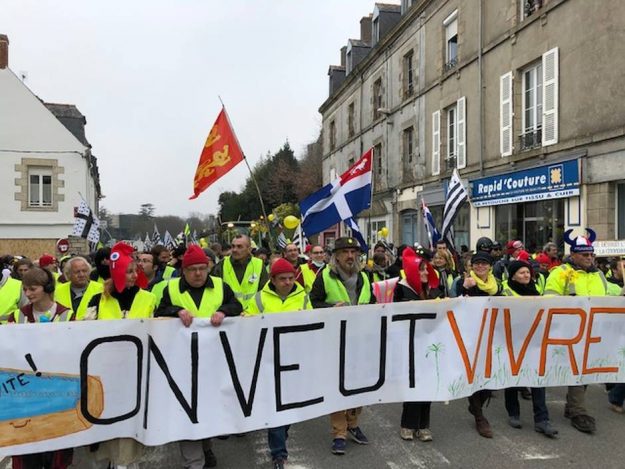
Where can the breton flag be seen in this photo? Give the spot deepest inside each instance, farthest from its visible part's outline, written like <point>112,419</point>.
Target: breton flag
<point>86,223</point>
<point>299,239</point>
<point>168,240</point>
<point>340,200</point>
<point>430,225</point>
<point>282,241</point>
<point>456,196</point>
<point>156,236</point>
<point>220,154</point>
<point>147,243</point>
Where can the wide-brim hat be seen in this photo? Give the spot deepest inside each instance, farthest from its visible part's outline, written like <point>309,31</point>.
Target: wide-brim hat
<point>346,243</point>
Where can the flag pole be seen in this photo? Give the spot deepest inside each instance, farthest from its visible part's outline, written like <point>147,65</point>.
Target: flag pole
<point>260,197</point>
<point>371,200</point>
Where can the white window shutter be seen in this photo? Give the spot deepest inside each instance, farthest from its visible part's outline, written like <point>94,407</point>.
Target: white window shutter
<point>550,97</point>
<point>436,143</point>
<point>505,114</point>
<point>461,129</point>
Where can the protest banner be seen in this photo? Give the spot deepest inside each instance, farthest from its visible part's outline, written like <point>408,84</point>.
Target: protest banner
<point>71,384</point>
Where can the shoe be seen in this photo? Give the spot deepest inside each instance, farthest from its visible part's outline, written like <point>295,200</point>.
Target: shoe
<point>279,464</point>
<point>338,446</point>
<point>584,423</point>
<point>546,429</point>
<point>424,434</point>
<point>483,427</point>
<point>526,394</point>
<point>514,422</point>
<point>358,436</point>
<point>617,408</point>
<point>209,458</point>
<point>567,413</point>
<point>406,433</point>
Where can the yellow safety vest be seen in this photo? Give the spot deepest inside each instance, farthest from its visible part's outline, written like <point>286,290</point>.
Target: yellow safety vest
<point>168,272</point>
<point>212,298</point>
<point>268,301</point>
<point>566,280</point>
<point>336,292</point>
<point>63,295</point>
<point>246,290</point>
<point>309,277</point>
<point>142,307</point>
<point>157,289</point>
<point>506,290</point>
<point>10,295</point>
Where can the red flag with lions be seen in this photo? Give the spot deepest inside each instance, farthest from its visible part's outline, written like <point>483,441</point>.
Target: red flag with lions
<point>220,154</point>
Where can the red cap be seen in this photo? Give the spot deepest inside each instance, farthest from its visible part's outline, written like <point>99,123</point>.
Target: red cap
<point>194,255</point>
<point>513,245</point>
<point>543,258</point>
<point>282,266</point>
<point>523,256</point>
<point>120,259</point>
<point>46,260</point>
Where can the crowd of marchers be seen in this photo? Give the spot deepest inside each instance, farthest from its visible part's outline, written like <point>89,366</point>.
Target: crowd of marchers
<point>239,280</point>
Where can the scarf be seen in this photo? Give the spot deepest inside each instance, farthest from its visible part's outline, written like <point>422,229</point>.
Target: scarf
<point>490,286</point>
<point>523,290</point>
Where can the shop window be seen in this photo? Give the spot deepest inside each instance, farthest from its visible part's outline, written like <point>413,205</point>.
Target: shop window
<point>532,107</point>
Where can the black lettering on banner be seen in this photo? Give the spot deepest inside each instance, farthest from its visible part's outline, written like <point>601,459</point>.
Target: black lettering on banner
<point>190,410</point>
<point>278,368</point>
<point>246,404</point>
<point>84,373</point>
<point>382,372</point>
<point>413,318</point>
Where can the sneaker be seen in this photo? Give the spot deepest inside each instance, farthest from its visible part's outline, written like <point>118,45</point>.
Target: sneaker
<point>358,436</point>
<point>424,434</point>
<point>617,408</point>
<point>483,427</point>
<point>546,429</point>
<point>406,433</point>
<point>514,422</point>
<point>209,458</point>
<point>338,446</point>
<point>278,464</point>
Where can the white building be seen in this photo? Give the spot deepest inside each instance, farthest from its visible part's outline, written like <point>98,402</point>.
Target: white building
<point>44,167</point>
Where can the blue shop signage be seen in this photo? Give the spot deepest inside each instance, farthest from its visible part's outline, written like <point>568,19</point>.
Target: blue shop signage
<point>552,181</point>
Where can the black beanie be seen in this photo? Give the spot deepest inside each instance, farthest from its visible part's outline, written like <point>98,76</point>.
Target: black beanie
<point>514,266</point>
<point>482,256</point>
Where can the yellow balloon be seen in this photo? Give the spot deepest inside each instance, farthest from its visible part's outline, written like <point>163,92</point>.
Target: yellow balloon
<point>291,222</point>
<point>384,232</point>
<point>203,243</point>
<point>380,234</point>
<point>271,217</point>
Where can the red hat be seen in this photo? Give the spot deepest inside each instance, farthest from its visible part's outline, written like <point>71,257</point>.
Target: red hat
<point>513,245</point>
<point>523,255</point>
<point>543,258</point>
<point>411,263</point>
<point>194,255</point>
<point>46,260</point>
<point>120,259</point>
<point>308,248</point>
<point>281,266</point>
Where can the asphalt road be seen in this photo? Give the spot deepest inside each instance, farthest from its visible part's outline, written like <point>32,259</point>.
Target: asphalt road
<point>456,443</point>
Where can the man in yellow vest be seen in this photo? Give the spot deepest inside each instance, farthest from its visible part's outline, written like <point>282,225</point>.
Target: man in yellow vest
<point>197,295</point>
<point>578,276</point>
<point>281,294</point>
<point>79,288</point>
<point>12,296</point>
<point>245,274</point>
<point>342,283</point>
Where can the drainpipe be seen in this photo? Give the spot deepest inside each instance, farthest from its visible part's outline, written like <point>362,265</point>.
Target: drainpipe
<point>481,85</point>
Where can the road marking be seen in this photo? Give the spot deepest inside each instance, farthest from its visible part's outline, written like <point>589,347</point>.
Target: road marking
<point>533,456</point>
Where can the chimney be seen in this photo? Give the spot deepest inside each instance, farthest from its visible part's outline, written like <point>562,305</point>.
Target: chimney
<point>343,53</point>
<point>365,29</point>
<point>4,51</point>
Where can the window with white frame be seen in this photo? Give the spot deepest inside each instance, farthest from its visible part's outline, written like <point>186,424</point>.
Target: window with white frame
<point>452,141</point>
<point>451,40</point>
<point>374,227</point>
<point>375,29</point>
<point>39,187</point>
<point>377,98</point>
<point>532,117</point>
<point>456,135</point>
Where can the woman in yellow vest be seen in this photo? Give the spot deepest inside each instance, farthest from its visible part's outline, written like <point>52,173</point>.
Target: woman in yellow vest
<point>520,283</point>
<point>123,296</point>
<point>280,295</point>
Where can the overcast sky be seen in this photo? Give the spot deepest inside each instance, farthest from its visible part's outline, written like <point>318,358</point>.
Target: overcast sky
<point>147,75</point>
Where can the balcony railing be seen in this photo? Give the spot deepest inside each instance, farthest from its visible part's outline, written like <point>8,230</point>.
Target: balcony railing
<point>532,6</point>
<point>451,64</point>
<point>530,140</point>
<point>450,163</point>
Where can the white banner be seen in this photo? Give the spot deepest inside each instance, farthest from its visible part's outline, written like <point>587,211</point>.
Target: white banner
<point>71,384</point>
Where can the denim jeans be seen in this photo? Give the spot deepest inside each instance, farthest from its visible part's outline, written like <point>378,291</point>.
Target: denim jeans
<point>277,442</point>
<point>538,403</point>
<point>616,395</point>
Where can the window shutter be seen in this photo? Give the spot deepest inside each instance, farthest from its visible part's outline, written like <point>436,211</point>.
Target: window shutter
<point>550,97</point>
<point>505,114</point>
<point>461,155</point>
<point>436,143</point>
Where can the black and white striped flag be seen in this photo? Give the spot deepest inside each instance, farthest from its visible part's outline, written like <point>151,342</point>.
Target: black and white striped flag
<point>156,237</point>
<point>456,196</point>
<point>86,223</point>
<point>168,240</point>
<point>299,239</point>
